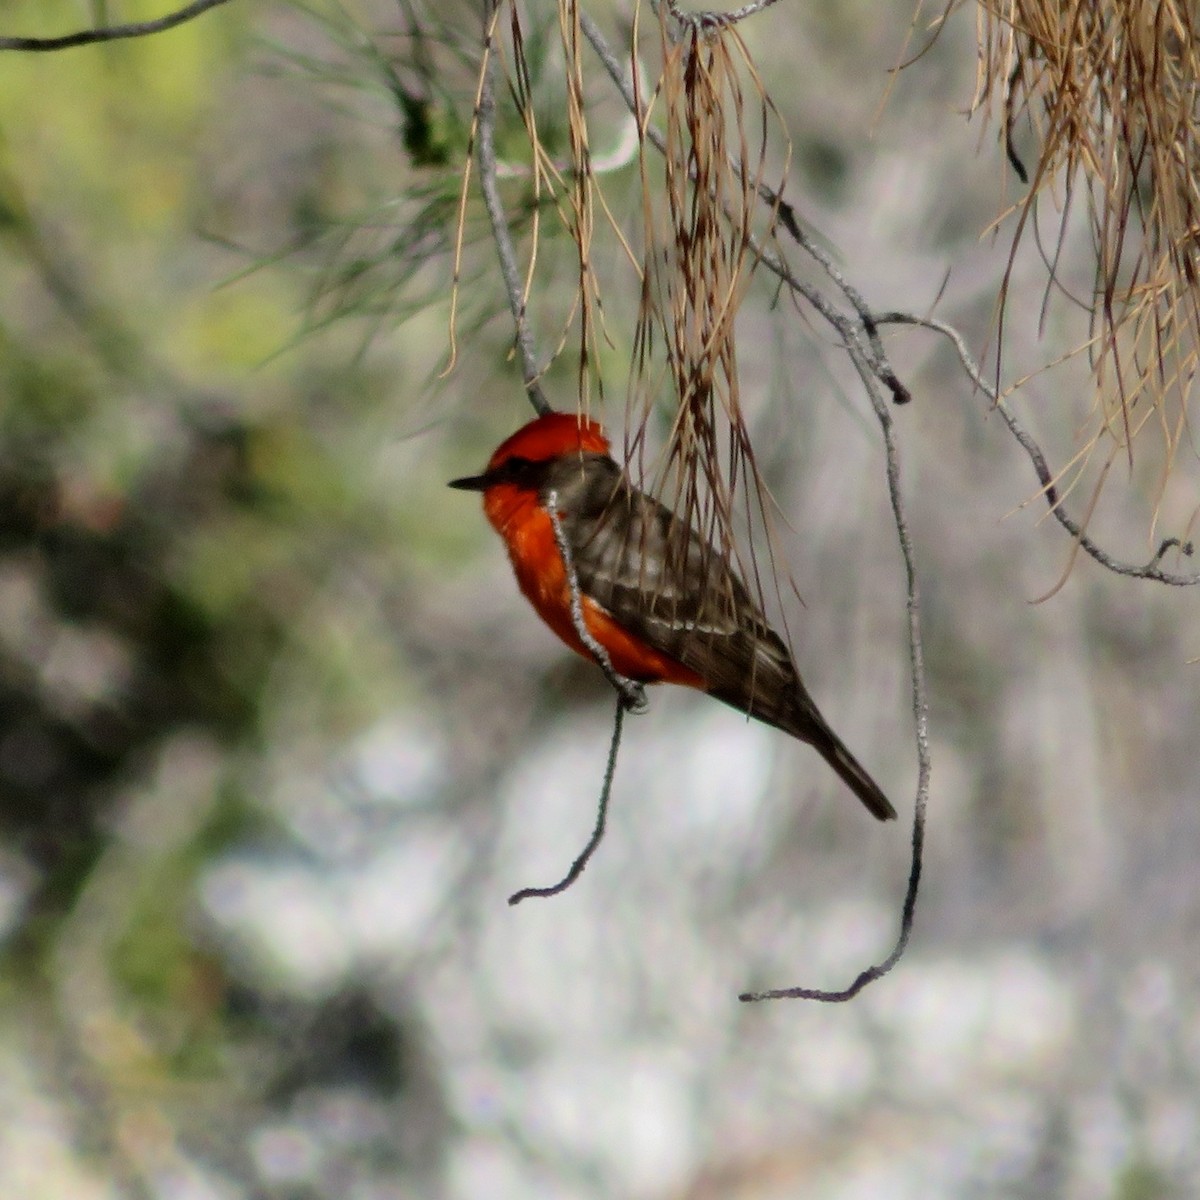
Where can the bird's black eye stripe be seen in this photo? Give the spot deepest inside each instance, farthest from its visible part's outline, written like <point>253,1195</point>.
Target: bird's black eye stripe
<point>517,468</point>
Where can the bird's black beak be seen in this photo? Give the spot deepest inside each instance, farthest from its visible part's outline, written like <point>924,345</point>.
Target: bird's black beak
<point>470,483</point>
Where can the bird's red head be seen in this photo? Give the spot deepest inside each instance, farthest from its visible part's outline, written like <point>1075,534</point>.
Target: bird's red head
<point>548,437</point>
<point>551,436</point>
<point>508,485</point>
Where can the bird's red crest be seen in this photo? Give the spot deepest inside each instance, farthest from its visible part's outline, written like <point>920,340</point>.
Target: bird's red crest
<point>551,436</point>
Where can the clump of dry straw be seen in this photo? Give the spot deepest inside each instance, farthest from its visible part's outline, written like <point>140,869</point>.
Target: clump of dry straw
<point>1111,89</point>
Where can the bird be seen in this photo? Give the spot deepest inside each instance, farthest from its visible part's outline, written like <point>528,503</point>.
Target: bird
<point>665,605</point>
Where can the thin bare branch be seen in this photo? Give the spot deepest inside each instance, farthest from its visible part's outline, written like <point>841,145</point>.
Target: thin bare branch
<point>111,33</point>
<point>597,834</point>
<point>716,19</point>
<point>859,334</point>
<point>631,697</point>
<point>920,707</point>
<point>1151,570</point>
<point>486,155</point>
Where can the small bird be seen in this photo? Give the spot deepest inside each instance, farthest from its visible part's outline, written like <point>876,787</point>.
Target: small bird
<point>665,605</point>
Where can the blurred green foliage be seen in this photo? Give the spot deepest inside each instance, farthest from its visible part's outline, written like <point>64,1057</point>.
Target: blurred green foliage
<point>183,478</point>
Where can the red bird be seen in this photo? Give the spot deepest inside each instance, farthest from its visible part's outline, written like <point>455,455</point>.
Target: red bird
<point>665,605</point>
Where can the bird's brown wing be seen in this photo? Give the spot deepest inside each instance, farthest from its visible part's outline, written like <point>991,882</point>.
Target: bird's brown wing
<point>666,585</point>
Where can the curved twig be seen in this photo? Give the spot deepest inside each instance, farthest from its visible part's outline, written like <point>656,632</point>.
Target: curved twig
<point>715,18</point>
<point>860,336</point>
<point>920,706</point>
<point>486,154</point>
<point>111,33</point>
<point>597,835</point>
<point>1150,570</point>
<point>631,697</point>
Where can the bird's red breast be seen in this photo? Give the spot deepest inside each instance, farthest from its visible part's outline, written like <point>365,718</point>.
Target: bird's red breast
<point>518,516</point>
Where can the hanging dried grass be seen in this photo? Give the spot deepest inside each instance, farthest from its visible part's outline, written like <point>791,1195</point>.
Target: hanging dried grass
<point>568,187</point>
<point>1112,91</point>
<point>705,198</point>
<point>702,202</point>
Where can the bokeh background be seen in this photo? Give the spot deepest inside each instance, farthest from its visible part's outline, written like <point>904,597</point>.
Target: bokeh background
<point>278,735</point>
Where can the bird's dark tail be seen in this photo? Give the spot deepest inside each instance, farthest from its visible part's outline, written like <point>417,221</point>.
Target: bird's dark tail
<point>783,701</point>
<point>833,750</point>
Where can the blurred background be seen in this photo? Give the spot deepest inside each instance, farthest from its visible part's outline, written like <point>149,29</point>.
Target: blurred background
<point>278,736</point>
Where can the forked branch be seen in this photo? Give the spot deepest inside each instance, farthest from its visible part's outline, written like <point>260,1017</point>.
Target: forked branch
<point>1151,570</point>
